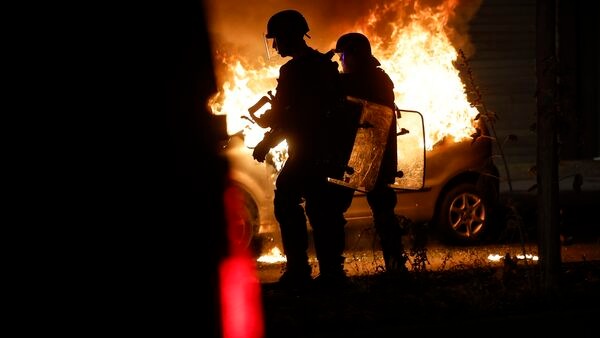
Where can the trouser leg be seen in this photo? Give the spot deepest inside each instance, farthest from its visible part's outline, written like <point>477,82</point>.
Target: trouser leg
<point>325,209</point>
<point>292,223</point>
<point>382,201</point>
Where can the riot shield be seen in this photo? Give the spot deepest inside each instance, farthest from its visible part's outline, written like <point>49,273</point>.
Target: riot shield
<point>369,143</point>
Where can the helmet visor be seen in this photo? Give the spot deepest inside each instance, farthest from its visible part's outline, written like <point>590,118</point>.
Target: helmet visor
<point>270,45</point>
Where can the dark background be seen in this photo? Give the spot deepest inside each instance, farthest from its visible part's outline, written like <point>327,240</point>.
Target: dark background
<point>139,203</point>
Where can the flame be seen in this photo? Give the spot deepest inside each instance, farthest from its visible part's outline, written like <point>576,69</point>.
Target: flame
<point>244,88</point>
<point>421,62</point>
<point>418,55</point>
<point>274,256</point>
<point>498,257</point>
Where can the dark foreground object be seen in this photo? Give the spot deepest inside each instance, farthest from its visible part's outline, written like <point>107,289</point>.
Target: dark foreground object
<point>470,301</point>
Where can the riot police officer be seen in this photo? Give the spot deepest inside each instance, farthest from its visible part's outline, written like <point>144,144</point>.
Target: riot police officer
<point>363,78</point>
<point>304,113</point>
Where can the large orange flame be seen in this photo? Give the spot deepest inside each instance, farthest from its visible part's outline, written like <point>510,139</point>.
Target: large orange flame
<point>417,54</point>
<point>420,61</point>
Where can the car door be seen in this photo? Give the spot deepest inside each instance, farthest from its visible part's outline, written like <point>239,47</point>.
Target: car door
<point>410,136</point>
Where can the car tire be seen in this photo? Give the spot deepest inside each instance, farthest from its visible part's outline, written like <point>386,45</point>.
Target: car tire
<point>463,215</point>
<point>247,222</point>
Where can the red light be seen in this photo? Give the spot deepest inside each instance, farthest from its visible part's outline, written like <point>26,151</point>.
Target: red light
<point>240,299</point>
<point>241,304</point>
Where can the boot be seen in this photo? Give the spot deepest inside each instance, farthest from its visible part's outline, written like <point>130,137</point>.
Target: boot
<point>332,276</point>
<point>296,277</point>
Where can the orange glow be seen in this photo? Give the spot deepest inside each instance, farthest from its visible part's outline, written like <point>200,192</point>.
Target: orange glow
<point>415,50</point>
<point>417,54</point>
<point>243,89</point>
<point>274,256</point>
<point>420,61</point>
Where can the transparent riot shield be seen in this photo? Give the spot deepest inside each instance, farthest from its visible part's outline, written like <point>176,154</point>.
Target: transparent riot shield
<point>410,136</point>
<point>369,143</point>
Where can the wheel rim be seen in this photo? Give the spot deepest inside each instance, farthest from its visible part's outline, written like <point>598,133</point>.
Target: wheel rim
<point>467,215</point>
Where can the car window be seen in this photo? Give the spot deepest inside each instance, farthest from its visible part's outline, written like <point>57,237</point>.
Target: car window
<point>410,134</point>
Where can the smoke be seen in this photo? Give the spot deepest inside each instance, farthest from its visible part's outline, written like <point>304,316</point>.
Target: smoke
<point>458,25</point>
<point>237,27</point>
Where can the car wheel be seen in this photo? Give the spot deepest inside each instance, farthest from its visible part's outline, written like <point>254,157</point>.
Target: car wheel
<point>246,220</point>
<point>463,215</point>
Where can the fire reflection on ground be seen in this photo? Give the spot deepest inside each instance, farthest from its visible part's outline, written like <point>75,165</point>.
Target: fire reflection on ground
<point>439,258</point>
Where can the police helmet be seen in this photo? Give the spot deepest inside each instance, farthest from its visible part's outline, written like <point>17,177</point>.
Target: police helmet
<point>356,44</point>
<point>287,22</point>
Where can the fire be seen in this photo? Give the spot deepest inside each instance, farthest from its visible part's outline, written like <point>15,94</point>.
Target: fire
<point>237,94</point>
<point>418,55</point>
<point>274,256</point>
<point>421,64</point>
<point>498,257</point>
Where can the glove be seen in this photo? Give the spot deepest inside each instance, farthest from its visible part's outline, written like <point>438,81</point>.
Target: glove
<point>264,121</point>
<point>261,150</point>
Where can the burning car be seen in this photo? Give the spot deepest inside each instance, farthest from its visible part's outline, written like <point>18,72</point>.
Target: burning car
<point>448,179</point>
<point>453,187</point>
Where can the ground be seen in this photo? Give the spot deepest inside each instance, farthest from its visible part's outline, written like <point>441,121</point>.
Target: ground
<point>449,290</point>
<point>469,301</point>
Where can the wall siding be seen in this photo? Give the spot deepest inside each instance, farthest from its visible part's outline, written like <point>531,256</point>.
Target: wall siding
<point>503,64</point>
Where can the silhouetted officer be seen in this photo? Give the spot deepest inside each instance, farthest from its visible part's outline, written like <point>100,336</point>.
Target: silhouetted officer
<point>305,113</point>
<point>363,78</point>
